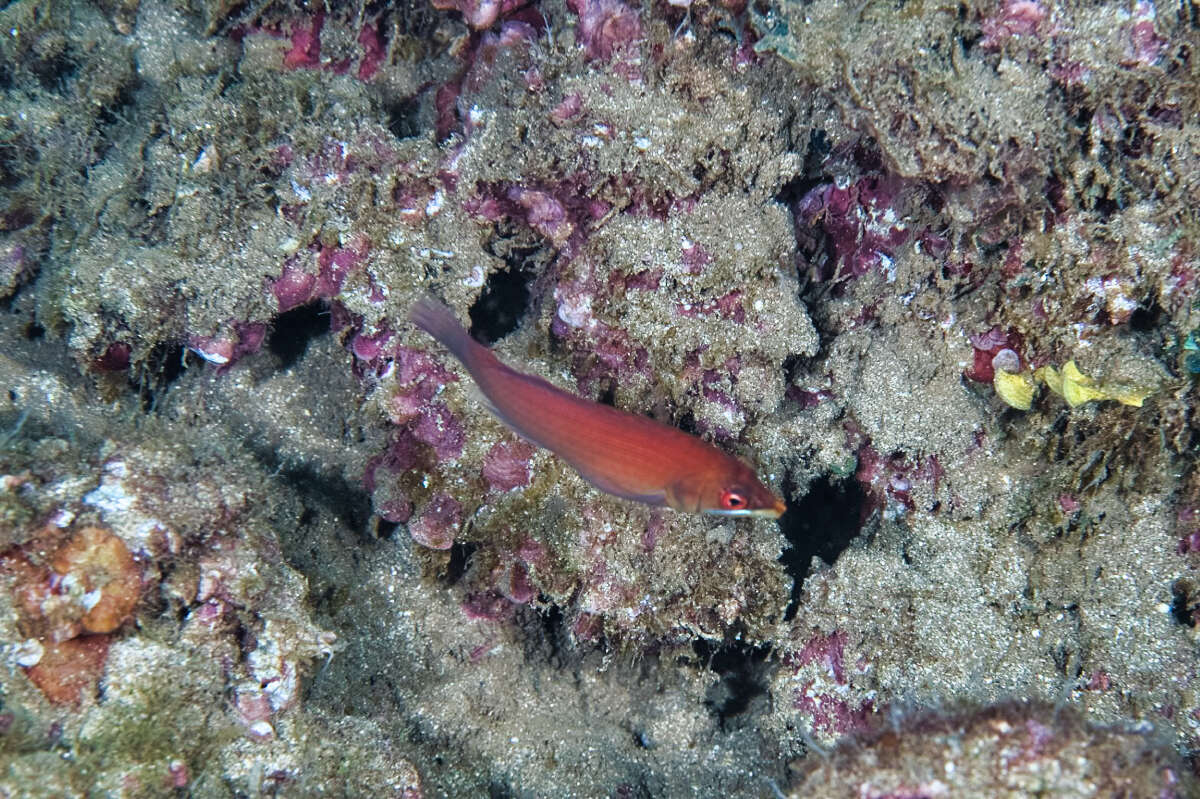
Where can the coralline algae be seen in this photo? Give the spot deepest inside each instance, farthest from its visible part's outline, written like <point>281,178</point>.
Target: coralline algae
<point>258,537</point>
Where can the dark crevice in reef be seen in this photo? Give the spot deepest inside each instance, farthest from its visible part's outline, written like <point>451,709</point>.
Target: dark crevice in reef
<point>294,330</point>
<point>500,307</point>
<point>1147,318</point>
<point>500,790</point>
<point>547,639</point>
<point>822,523</point>
<point>163,366</point>
<point>403,118</point>
<point>743,671</point>
<point>816,153</point>
<point>384,529</point>
<point>794,190</point>
<point>460,561</point>
<point>1184,605</point>
<point>556,634</point>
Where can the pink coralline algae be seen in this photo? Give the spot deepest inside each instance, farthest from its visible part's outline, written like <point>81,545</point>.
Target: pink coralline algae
<point>402,454</point>
<point>440,429</point>
<point>645,280</point>
<point>888,480</point>
<point>296,286</point>
<point>373,52</point>
<point>480,14</point>
<point>1068,503</point>
<point>604,353</point>
<point>418,379</point>
<point>827,651</point>
<point>820,668</point>
<point>1145,47</point>
<point>994,348</point>
<point>605,27</point>
<point>481,59</point>
<point>487,606</point>
<point>506,466</point>
<point>178,775</point>
<point>1000,750</point>
<point>115,357</point>
<point>395,510</point>
<point>437,522</point>
<point>695,258</point>
<point>544,214</point>
<point>371,347</point>
<point>570,107</point>
<point>426,432</point>
<point>293,288</point>
<point>1099,681</point>
<point>225,349</point>
<point>15,266</point>
<point>514,584</point>
<point>1015,18</point>
<point>1189,524</point>
<point>334,265</point>
<point>862,222</point>
<point>601,351</point>
<point>305,52</point>
<point>446,109</point>
<point>560,212</point>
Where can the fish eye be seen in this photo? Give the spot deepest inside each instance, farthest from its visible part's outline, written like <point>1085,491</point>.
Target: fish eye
<point>732,500</point>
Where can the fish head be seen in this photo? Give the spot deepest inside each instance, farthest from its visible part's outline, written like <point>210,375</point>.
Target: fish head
<point>736,491</point>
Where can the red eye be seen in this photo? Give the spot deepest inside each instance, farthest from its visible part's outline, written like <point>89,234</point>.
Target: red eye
<point>732,500</point>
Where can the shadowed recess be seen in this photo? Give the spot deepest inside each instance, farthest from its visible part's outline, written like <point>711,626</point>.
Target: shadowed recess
<point>1184,604</point>
<point>402,118</point>
<point>1147,318</point>
<point>500,790</point>
<point>162,367</point>
<point>822,523</point>
<point>742,669</point>
<point>321,491</point>
<point>500,307</point>
<point>294,330</point>
<point>460,560</point>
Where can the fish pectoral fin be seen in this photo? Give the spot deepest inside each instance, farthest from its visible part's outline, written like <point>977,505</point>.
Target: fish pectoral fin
<point>658,498</point>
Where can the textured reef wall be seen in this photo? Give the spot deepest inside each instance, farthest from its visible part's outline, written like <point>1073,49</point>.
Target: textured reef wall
<point>933,269</point>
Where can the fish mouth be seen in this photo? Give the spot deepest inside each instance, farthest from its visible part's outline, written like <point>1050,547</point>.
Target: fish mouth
<point>773,512</point>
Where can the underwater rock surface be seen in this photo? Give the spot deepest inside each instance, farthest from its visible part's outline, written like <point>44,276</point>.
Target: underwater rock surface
<point>932,270</point>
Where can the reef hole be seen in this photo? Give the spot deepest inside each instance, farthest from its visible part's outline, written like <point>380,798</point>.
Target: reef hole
<point>1147,318</point>
<point>402,118</point>
<point>743,671</point>
<point>460,560</point>
<point>500,307</point>
<point>294,330</point>
<point>384,529</point>
<point>1184,603</point>
<point>822,523</point>
<point>162,367</point>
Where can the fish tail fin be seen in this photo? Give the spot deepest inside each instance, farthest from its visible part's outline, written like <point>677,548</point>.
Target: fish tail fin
<point>439,321</point>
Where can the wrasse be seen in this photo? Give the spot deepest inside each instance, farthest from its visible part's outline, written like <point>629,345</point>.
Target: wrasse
<point>618,452</point>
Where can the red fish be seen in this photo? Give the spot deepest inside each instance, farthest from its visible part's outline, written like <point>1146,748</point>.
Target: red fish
<point>621,453</point>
